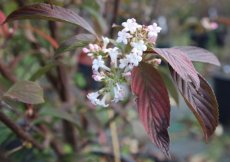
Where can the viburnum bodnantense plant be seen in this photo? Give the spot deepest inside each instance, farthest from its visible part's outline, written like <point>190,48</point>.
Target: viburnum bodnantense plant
<point>134,59</point>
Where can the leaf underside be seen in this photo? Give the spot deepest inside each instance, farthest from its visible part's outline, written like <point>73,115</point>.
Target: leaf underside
<point>199,54</point>
<point>202,102</point>
<point>153,104</point>
<point>74,42</point>
<point>50,12</point>
<point>180,63</point>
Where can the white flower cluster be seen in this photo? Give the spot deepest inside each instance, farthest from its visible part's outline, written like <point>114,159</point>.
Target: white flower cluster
<point>113,66</point>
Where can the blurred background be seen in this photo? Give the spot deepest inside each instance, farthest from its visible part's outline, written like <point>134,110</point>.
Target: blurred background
<point>74,130</point>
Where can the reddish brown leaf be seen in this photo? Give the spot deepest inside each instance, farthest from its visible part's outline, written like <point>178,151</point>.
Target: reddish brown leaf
<point>202,102</point>
<point>153,104</point>
<point>4,30</point>
<point>199,54</point>
<point>46,11</point>
<point>180,63</point>
<point>2,17</point>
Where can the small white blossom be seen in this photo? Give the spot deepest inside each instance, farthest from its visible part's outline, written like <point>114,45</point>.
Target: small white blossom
<point>119,93</point>
<point>153,31</point>
<point>134,58</point>
<point>139,47</point>
<point>102,101</point>
<point>123,37</point>
<point>130,61</point>
<point>113,53</point>
<point>131,25</point>
<point>99,63</point>
<point>123,63</point>
<point>93,97</point>
<point>105,42</point>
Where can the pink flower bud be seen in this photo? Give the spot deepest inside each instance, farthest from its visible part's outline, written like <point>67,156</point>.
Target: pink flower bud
<point>85,50</point>
<point>91,47</point>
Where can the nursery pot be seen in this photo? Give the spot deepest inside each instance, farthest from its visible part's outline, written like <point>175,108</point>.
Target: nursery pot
<point>222,91</point>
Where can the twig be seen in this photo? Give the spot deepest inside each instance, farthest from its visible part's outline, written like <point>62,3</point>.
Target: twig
<point>14,150</point>
<point>114,135</point>
<point>114,18</point>
<point>64,94</point>
<point>19,131</point>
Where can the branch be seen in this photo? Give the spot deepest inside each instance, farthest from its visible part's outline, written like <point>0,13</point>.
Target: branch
<point>114,18</point>
<point>19,131</point>
<point>64,93</point>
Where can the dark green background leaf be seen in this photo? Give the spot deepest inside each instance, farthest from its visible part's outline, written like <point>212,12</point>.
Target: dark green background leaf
<point>26,91</point>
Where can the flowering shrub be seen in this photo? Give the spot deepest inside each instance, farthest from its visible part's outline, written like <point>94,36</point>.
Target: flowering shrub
<point>133,58</point>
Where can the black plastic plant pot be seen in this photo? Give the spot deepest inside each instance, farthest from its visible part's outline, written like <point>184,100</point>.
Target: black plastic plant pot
<point>222,90</point>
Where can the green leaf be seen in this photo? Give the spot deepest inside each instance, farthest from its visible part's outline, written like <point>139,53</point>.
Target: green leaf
<point>79,80</point>
<point>26,91</point>
<point>99,19</point>
<point>74,42</point>
<point>5,133</point>
<point>169,84</point>
<point>46,11</point>
<point>38,74</point>
<point>61,115</point>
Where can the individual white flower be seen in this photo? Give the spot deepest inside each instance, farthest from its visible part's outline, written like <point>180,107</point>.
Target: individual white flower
<point>102,101</point>
<point>93,97</point>
<point>119,93</point>
<point>153,31</point>
<point>123,37</point>
<point>139,47</point>
<point>98,76</point>
<point>99,63</point>
<point>130,61</point>
<point>105,42</point>
<point>131,25</point>
<point>113,53</point>
<point>123,63</point>
<point>134,58</point>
